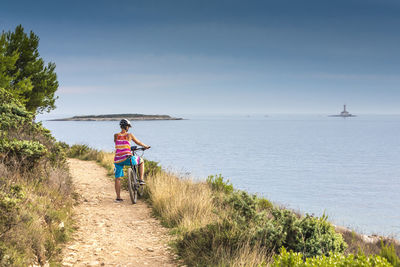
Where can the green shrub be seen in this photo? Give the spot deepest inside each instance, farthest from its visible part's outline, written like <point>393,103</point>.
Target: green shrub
<point>151,168</point>
<point>317,237</point>
<point>13,116</point>
<point>217,183</point>
<point>24,151</point>
<point>310,235</point>
<point>58,154</point>
<point>13,113</point>
<point>248,219</point>
<point>389,253</point>
<point>9,206</point>
<point>295,259</point>
<point>244,207</point>
<point>264,204</point>
<point>78,150</point>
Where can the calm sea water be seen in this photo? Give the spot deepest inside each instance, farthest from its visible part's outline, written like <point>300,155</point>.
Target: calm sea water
<point>346,168</point>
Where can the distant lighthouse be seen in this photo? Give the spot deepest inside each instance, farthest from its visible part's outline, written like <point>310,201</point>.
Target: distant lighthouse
<point>344,113</point>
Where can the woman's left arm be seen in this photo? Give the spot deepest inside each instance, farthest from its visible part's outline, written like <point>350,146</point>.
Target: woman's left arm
<point>134,139</point>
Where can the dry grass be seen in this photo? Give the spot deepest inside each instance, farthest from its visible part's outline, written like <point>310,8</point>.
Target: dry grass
<point>106,159</point>
<point>30,231</point>
<point>180,203</point>
<point>247,255</point>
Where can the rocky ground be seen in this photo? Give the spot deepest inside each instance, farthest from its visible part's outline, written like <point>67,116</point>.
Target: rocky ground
<point>109,233</point>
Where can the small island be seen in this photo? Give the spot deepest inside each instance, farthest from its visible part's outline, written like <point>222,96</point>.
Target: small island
<point>117,117</point>
<point>344,113</point>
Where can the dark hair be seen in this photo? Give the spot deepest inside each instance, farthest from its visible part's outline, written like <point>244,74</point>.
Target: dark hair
<point>124,123</point>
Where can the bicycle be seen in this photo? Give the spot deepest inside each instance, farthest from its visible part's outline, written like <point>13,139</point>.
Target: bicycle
<point>134,187</point>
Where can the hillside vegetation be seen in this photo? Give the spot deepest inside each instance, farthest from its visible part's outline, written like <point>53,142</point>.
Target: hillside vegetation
<point>35,189</point>
<point>216,225</point>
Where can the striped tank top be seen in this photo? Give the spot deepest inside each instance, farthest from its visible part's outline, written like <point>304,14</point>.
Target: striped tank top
<point>122,148</point>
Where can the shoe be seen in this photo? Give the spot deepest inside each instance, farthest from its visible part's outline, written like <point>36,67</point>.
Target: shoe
<point>141,182</point>
<point>118,200</point>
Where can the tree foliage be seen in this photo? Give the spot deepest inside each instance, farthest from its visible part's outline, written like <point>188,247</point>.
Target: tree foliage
<point>24,74</point>
<point>8,71</point>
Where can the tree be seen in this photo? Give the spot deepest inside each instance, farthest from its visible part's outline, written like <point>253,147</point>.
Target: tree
<point>7,64</point>
<point>32,81</point>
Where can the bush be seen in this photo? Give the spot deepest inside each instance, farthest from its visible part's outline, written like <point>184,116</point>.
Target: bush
<point>78,151</point>
<point>217,183</point>
<point>58,154</point>
<point>151,168</point>
<point>274,227</point>
<point>13,116</point>
<point>26,152</point>
<point>295,259</point>
<point>9,206</point>
<point>316,237</point>
<point>389,253</point>
<point>247,219</point>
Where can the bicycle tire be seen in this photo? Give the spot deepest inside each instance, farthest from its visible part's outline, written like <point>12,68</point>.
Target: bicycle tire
<point>140,190</point>
<point>138,186</point>
<point>132,181</point>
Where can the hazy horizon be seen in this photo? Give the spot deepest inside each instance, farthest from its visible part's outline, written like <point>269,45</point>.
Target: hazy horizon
<point>210,115</point>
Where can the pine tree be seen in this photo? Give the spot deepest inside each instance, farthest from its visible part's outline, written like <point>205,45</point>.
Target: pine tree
<point>33,82</point>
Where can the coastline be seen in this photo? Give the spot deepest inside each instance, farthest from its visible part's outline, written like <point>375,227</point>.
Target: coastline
<point>118,117</point>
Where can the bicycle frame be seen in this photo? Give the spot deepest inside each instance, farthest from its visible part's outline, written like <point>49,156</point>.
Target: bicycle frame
<point>133,185</point>
<point>135,167</point>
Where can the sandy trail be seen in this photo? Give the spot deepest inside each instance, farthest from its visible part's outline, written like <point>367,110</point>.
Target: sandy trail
<point>109,233</point>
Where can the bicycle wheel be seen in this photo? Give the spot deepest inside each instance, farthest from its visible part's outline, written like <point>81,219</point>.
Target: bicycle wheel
<point>132,181</point>
<point>140,189</point>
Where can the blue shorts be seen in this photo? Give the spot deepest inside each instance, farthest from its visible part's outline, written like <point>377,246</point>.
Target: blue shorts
<point>119,167</point>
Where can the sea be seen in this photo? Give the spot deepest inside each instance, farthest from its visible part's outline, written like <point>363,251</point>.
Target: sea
<point>345,168</point>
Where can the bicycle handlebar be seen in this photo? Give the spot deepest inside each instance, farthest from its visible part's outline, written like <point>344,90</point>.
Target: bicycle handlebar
<point>135,148</point>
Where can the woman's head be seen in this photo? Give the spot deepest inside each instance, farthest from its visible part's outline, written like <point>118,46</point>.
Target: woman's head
<point>125,124</point>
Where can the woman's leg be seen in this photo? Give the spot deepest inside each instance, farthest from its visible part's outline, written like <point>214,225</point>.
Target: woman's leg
<point>141,171</point>
<point>119,173</point>
<point>118,187</point>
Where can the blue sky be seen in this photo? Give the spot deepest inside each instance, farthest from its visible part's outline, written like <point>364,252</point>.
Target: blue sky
<point>218,57</point>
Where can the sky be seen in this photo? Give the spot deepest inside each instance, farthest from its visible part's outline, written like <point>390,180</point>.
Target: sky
<point>216,56</point>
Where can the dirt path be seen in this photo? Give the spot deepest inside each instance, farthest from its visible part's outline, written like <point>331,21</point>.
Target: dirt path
<point>109,233</point>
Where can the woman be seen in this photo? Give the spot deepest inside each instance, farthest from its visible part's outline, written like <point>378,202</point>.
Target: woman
<point>124,157</point>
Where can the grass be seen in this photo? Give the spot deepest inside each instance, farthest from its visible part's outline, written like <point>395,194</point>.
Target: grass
<point>181,203</point>
<point>35,215</point>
